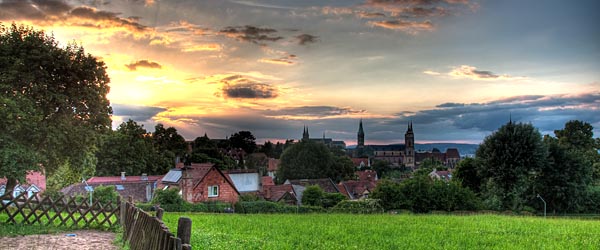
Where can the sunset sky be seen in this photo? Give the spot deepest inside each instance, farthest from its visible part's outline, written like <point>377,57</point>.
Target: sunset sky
<point>458,69</point>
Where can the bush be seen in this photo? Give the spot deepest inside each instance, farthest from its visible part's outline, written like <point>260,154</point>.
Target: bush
<point>248,197</point>
<point>168,197</point>
<point>104,194</point>
<point>366,206</point>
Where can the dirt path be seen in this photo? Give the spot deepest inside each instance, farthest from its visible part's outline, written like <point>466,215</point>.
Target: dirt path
<point>83,240</point>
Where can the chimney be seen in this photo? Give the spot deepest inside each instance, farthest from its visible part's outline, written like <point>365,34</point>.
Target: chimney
<point>144,177</point>
<point>123,176</point>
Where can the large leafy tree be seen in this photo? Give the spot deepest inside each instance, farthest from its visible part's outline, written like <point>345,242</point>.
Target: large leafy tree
<point>311,160</point>
<point>53,104</point>
<point>244,140</point>
<point>130,149</point>
<point>511,158</point>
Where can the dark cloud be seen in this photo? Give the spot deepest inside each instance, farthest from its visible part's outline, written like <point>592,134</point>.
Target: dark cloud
<point>313,111</point>
<point>143,63</point>
<point>52,11</point>
<point>285,60</point>
<point>364,14</point>
<point>251,34</point>
<point>135,112</point>
<point>547,112</point>
<point>238,86</point>
<point>306,39</point>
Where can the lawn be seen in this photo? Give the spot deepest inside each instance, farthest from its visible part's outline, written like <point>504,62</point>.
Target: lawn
<point>345,231</point>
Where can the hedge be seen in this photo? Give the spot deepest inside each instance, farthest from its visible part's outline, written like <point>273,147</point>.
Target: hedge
<point>256,207</point>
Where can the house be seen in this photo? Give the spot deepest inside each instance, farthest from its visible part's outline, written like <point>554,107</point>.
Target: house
<point>140,188</point>
<point>366,175</point>
<point>272,167</point>
<point>35,183</point>
<point>356,190</point>
<point>360,163</point>
<point>440,175</point>
<point>204,183</point>
<point>285,193</point>
<point>326,184</point>
<point>449,159</point>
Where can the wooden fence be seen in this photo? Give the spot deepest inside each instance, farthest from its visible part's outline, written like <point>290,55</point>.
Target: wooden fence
<point>144,231</point>
<point>64,211</point>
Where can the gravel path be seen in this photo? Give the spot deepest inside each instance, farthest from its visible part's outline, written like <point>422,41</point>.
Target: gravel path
<point>83,240</point>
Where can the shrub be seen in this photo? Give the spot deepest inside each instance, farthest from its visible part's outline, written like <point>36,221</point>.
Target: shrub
<point>256,207</point>
<point>313,196</point>
<point>104,194</point>
<point>366,206</point>
<point>167,198</point>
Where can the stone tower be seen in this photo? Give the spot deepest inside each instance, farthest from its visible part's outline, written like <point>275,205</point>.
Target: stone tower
<point>305,135</point>
<point>360,146</point>
<point>409,144</point>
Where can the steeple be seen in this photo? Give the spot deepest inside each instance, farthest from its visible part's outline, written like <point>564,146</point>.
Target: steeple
<point>409,144</point>
<point>305,135</point>
<point>361,135</point>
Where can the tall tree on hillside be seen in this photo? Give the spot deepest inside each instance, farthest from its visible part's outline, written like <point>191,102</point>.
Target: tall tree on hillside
<point>511,158</point>
<point>169,143</point>
<point>53,100</point>
<point>244,140</point>
<point>466,174</point>
<point>130,149</point>
<point>578,136</point>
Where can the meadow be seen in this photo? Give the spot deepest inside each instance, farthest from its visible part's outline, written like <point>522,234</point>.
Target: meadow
<point>383,231</point>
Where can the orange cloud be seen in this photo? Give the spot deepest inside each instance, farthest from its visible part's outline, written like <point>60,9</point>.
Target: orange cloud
<point>411,27</point>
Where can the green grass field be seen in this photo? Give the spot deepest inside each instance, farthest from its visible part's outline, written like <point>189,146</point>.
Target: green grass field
<point>344,231</point>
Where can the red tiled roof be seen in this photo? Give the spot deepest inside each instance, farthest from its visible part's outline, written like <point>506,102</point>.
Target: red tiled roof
<point>117,179</point>
<point>267,181</point>
<point>355,189</point>
<point>452,153</point>
<point>367,175</point>
<point>357,161</point>
<point>274,193</point>
<point>33,177</point>
<point>273,165</point>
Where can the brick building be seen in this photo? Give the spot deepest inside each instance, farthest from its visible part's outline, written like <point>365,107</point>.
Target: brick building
<point>205,184</point>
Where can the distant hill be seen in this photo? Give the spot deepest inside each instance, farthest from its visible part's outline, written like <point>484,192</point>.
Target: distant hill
<point>463,148</point>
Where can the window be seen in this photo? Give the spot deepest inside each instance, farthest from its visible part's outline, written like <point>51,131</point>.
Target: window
<point>213,191</point>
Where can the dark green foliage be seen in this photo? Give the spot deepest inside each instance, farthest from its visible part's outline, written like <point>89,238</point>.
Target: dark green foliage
<point>46,91</point>
<point>313,196</point>
<point>466,174</point>
<point>332,199</point>
<point>389,194</point>
<point>381,167</point>
<point>133,150</point>
<point>244,140</point>
<point>207,207</point>
<point>167,197</point>
<point>205,150</point>
<point>248,197</point>
<point>366,206</point>
<point>310,160</point>
<point>104,194</point>
<point>510,160</point>
<point>421,194</point>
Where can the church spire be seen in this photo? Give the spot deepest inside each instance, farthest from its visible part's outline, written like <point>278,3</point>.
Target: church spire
<point>305,135</point>
<point>361,135</point>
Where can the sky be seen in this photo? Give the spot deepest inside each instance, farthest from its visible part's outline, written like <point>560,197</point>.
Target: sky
<point>456,69</point>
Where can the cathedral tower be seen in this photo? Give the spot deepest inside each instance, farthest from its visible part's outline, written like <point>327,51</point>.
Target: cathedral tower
<point>409,143</point>
<point>305,135</point>
<point>360,147</point>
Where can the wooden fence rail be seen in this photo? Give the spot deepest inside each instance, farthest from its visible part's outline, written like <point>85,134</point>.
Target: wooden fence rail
<point>64,211</point>
<point>140,229</point>
<point>143,231</point>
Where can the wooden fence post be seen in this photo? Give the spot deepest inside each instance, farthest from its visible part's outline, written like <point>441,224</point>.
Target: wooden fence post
<point>184,229</point>
<point>159,213</point>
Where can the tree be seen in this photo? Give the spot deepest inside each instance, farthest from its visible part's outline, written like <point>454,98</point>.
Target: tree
<point>244,140</point>
<point>312,196</point>
<point>511,158</point>
<point>311,160</point>
<point>466,174</point>
<point>390,195</point>
<point>167,139</point>
<point>46,90</point>
<point>130,149</point>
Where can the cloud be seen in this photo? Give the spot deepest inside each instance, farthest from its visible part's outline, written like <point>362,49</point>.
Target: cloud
<point>285,60</point>
<point>471,72</point>
<point>251,34</point>
<point>246,87</point>
<point>143,63</point>
<point>313,112</point>
<point>305,39</point>
<point>40,11</point>
<point>135,112</point>
<point>430,72</point>
<point>411,27</point>
<point>370,15</point>
<point>545,112</point>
